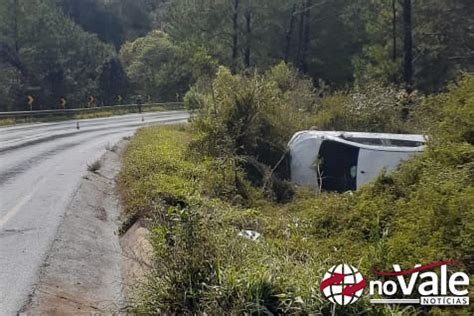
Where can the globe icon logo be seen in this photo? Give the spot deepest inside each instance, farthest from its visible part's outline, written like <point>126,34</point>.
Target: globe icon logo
<point>342,284</point>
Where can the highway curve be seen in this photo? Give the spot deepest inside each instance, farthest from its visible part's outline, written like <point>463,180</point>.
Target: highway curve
<point>41,166</point>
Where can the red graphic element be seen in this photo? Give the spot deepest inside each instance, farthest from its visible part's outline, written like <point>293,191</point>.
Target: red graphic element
<point>422,268</point>
<point>335,279</point>
<point>350,290</point>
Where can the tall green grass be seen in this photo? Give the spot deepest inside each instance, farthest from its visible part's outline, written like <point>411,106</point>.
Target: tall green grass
<point>196,206</point>
<point>202,265</point>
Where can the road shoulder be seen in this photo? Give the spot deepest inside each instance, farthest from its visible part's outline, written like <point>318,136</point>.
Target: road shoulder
<point>82,273</point>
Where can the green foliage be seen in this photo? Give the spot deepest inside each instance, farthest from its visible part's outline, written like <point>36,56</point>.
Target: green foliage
<point>98,17</point>
<point>440,29</point>
<point>249,120</point>
<point>243,112</point>
<point>160,69</point>
<point>55,48</point>
<point>274,34</point>
<point>369,108</point>
<point>11,87</point>
<point>377,60</point>
<point>420,214</point>
<point>455,111</point>
<point>195,100</point>
<point>201,264</point>
<point>112,81</point>
<point>55,57</point>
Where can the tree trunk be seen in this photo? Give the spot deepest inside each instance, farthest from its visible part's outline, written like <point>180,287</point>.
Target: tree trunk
<point>304,61</point>
<point>248,32</point>
<point>235,34</point>
<point>15,27</point>
<point>394,29</point>
<point>289,34</point>
<point>408,46</point>
<point>300,38</point>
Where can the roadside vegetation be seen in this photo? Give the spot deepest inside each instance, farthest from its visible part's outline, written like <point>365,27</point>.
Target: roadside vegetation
<point>253,73</point>
<point>201,184</point>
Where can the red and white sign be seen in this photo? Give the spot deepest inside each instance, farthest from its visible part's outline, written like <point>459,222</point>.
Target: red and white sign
<point>344,284</point>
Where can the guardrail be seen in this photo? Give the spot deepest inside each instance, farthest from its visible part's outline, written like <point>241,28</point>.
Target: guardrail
<point>67,112</point>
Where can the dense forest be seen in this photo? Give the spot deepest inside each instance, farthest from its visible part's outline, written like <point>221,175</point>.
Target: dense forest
<point>119,50</point>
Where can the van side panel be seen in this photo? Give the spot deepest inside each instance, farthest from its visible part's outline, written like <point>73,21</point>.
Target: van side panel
<point>303,157</point>
<point>372,162</point>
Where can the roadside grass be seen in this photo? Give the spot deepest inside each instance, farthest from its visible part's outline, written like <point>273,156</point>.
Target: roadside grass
<point>202,265</point>
<point>79,116</point>
<point>6,122</point>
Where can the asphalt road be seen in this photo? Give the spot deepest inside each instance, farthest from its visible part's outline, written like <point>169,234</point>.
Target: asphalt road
<point>41,166</point>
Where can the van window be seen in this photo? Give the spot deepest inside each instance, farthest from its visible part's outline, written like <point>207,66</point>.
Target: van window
<point>338,166</point>
<point>404,143</point>
<point>385,142</point>
<point>366,141</point>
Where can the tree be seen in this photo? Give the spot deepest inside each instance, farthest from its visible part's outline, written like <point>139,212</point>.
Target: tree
<point>408,46</point>
<point>11,88</point>
<point>248,35</point>
<point>289,34</point>
<point>436,35</point>
<point>113,81</point>
<point>242,33</point>
<point>306,39</point>
<point>394,30</point>
<point>134,15</point>
<point>10,12</point>
<point>161,69</point>
<point>443,40</point>
<point>205,23</point>
<point>52,56</point>
<point>235,32</point>
<point>373,24</point>
<point>95,17</point>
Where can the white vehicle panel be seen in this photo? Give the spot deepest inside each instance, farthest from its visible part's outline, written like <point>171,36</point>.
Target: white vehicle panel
<point>372,162</point>
<point>377,151</point>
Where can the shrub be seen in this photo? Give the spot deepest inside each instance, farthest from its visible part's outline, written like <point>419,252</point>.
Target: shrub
<point>420,214</point>
<point>369,108</point>
<point>163,70</point>
<point>249,120</point>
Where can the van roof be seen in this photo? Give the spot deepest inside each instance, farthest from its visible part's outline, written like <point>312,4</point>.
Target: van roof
<point>374,141</point>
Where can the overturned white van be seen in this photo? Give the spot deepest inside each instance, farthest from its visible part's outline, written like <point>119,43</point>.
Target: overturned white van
<point>344,161</point>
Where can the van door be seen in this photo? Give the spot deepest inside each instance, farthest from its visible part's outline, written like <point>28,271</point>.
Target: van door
<point>372,162</point>
<point>338,166</point>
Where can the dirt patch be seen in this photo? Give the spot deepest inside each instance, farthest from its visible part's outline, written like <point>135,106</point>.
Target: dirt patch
<point>137,261</point>
<point>83,272</point>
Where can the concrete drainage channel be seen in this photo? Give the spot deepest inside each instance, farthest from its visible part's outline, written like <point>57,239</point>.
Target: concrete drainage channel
<point>90,269</point>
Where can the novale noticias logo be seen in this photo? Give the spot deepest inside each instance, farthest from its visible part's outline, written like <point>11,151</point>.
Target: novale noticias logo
<point>343,284</point>
<point>429,285</point>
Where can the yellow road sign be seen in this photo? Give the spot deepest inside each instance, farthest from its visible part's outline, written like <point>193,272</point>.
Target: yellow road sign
<point>119,99</point>
<point>31,100</point>
<point>92,100</point>
<point>148,98</point>
<point>62,103</point>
